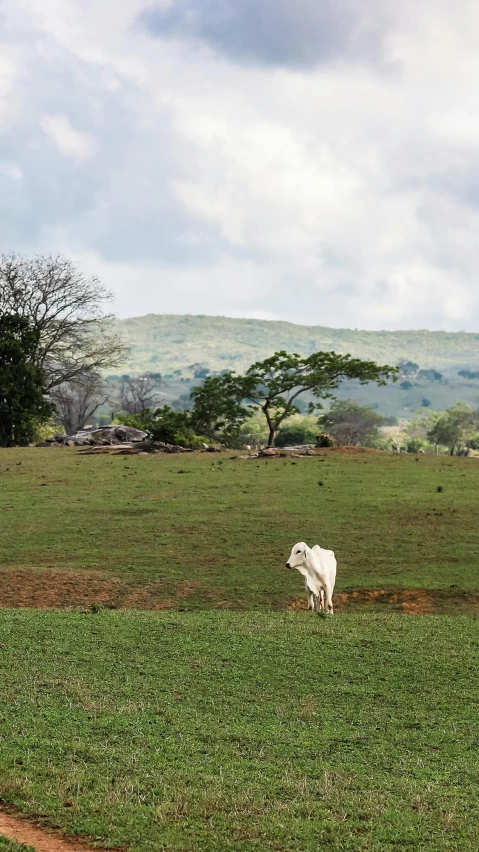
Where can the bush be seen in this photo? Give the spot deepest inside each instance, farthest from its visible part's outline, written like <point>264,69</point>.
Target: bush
<point>297,429</point>
<point>324,441</point>
<point>415,445</point>
<point>290,436</point>
<point>164,424</point>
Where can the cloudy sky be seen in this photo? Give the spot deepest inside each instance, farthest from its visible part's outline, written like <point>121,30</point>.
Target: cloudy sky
<point>308,160</point>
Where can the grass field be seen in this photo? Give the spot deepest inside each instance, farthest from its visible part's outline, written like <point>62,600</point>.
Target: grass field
<point>202,531</point>
<point>7,845</point>
<point>207,730</point>
<point>215,731</point>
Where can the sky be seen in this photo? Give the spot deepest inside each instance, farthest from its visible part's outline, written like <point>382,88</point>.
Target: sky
<point>315,161</point>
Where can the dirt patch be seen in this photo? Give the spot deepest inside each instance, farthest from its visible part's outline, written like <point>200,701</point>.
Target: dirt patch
<point>67,589</point>
<point>409,601</point>
<point>63,589</point>
<point>24,831</point>
<point>56,589</point>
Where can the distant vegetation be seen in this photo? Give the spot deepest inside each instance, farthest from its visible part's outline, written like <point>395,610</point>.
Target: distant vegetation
<point>439,366</point>
<point>169,343</point>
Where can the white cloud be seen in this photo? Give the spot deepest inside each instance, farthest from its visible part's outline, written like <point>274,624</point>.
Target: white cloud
<point>346,193</point>
<point>67,140</point>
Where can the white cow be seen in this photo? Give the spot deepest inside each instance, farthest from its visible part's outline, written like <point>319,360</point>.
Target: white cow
<point>318,567</point>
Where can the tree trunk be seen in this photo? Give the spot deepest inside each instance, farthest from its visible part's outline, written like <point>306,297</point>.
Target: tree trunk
<point>271,436</point>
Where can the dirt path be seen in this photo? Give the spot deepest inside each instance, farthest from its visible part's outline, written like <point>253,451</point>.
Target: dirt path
<point>23,831</point>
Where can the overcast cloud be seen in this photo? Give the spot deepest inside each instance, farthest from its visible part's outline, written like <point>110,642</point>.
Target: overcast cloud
<point>307,160</point>
<point>284,33</point>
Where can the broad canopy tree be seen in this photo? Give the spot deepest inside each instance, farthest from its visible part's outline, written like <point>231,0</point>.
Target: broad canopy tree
<point>223,403</point>
<point>23,395</point>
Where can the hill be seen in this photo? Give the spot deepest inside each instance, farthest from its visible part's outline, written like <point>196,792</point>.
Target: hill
<point>165,343</point>
<point>178,347</point>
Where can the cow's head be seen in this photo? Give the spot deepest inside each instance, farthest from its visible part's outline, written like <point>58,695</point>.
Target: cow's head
<point>298,555</point>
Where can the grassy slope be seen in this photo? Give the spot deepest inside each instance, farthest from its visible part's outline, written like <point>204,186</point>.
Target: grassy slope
<point>166,342</point>
<point>227,525</point>
<point>216,731</point>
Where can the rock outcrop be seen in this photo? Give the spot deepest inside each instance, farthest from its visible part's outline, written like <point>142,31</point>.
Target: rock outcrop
<point>104,436</point>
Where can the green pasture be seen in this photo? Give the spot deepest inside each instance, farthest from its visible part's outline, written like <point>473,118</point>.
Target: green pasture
<point>243,731</point>
<point>225,526</point>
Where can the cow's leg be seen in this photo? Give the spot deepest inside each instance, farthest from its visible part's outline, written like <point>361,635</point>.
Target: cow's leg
<point>328,598</point>
<point>321,599</point>
<point>310,600</point>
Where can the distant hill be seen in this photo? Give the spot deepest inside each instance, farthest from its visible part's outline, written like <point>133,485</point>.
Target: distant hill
<point>178,347</point>
<point>164,343</point>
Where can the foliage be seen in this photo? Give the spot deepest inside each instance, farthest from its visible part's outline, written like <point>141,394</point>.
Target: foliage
<point>273,385</point>
<point>254,431</point>
<point>455,428</point>
<point>164,424</point>
<point>421,424</point>
<point>65,307</point>
<point>351,424</point>
<point>415,445</point>
<point>469,374</point>
<point>23,402</point>
<point>430,375</point>
<point>406,385</point>
<point>219,410</point>
<point>408,369</point>
<point>219,342</point>
<point>324,441</point>
<point>298,430</point>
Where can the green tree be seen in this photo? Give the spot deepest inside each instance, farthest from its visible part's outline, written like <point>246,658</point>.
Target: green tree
<point>456,428</point>
<point>273,385</point>
<point>23,402</point>
<point>351,424</point>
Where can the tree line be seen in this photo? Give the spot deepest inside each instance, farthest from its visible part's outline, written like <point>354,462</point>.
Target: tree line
<point>57,341</point>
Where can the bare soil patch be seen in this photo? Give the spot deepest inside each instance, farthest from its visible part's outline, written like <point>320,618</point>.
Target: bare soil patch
<point>409,601</point>
<point>63,589</point>
<point>23,831</point>
<point>67,589</point>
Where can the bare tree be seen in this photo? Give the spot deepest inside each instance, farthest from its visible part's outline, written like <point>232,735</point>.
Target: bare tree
<point>139,393</point>
<point>77,400</point>
<point>66,307</point>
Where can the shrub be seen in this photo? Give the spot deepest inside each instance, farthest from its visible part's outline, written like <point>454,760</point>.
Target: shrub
<point>164,424</point>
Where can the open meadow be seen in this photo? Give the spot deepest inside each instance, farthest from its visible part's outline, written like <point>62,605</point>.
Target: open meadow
<point>226,717</point>
<point>212,530</point>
